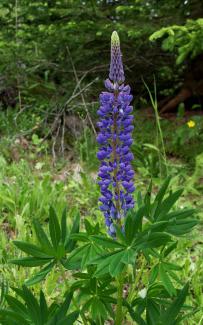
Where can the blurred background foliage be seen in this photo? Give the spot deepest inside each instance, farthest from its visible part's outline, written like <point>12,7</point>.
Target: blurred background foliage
<point>39,39</point>
<point>55,56</point>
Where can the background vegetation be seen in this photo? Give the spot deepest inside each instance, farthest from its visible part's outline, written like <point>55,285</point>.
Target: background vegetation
<point>54,56</point>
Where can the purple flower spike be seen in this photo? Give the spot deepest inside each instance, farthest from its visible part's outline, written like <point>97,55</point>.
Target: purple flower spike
<point>115,138</point>
<point>116,67</point>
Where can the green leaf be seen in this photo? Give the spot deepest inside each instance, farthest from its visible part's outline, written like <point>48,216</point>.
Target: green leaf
<point>133,224</point>
<point>42,237</point>
<point>170,248</point>
<point>167,204</point>
<point>106,242</point>
<point>54,228</point>
<point>181,227</point>
<point>152,312</point>
<point>129,256</point>
<point>169,316</point>
<point>32,305</point>
<point>69,320</point>
<point>166,280</point>
<point>65,306</point>
<point>16,305</point>
<point>98,309</point>
<point>180,214</point>
<point>30,261</point>
<point>63,226</point>
<point>162,191</point>
<point>39,276</point>
<point>12,318</point>
<point>43,307</point>
<point>154,273</point>
<point>31,249</point>
<point>116,265</point>
<point>104,261</point>
<point>155,239</point>
<point>70,243</point>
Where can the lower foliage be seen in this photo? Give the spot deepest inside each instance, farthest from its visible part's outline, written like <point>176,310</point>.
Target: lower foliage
<point>127,279</point>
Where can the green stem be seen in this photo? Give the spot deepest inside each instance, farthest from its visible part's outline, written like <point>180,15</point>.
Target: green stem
<point>137,279</point>
<point>119,309</point>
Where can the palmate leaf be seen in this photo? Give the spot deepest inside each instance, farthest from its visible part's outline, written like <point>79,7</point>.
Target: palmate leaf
<point>114,262</point>
<point>160,308</point>
<point>97,295</point>
<point>49,251</point>
<point>82,255</point>
<point>34,312</point>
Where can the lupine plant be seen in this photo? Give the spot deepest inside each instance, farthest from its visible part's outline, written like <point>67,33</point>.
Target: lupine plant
<point>121,274</point>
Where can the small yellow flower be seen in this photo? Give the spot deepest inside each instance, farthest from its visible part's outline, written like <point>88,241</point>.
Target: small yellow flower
<point>191,124</point>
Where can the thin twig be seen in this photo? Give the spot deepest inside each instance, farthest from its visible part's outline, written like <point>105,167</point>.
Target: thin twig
<point>82,96</point>
<point>54,143</point>
<point>63,134</point>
